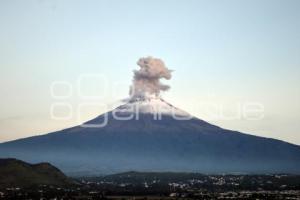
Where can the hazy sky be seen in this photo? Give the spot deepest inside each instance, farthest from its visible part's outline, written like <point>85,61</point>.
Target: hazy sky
<point>225,55</point>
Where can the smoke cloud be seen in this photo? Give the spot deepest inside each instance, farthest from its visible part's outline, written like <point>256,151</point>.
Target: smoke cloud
<point>146,80</point>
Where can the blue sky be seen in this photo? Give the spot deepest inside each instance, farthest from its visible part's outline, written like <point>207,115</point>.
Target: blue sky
<point>224,53</point>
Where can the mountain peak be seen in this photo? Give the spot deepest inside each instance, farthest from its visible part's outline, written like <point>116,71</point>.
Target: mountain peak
<point>150,104</point>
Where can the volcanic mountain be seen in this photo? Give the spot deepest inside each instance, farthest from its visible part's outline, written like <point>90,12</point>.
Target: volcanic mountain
<point>149,134</point>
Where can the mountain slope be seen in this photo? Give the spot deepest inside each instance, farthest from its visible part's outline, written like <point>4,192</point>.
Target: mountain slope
<point>16,173</point>
<point>143,135</point>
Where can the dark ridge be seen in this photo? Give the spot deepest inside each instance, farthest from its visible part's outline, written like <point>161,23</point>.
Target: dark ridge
<point>16,173</point>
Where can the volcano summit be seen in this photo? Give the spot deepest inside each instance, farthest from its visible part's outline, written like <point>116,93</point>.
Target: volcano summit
<point>149,134</point>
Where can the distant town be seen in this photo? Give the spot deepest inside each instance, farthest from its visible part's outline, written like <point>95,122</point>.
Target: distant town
<point>138,185</point>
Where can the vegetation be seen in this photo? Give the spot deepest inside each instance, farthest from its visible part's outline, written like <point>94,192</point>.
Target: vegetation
<point>16,173</point>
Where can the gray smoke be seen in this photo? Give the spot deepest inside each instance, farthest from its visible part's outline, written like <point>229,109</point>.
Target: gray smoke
<point>146,80</point>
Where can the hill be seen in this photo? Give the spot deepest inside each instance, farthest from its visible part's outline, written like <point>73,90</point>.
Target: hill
<point>16,173</point>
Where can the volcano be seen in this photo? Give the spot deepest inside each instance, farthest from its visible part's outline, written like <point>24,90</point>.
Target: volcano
<point>149,134</point>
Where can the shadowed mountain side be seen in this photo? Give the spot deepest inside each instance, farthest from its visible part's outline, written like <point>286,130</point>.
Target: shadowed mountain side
<point>156,145</point>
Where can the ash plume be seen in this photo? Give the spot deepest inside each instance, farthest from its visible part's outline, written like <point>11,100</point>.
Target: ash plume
<point>146,80</point>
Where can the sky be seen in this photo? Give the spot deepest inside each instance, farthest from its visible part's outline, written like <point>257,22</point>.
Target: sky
<point>235,63</point>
